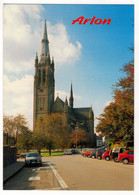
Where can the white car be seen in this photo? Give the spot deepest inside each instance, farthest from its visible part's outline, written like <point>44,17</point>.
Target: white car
<point>67,152</point>
<point>33,158</point>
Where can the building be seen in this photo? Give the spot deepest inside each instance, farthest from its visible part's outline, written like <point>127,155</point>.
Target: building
<point>44,95</point>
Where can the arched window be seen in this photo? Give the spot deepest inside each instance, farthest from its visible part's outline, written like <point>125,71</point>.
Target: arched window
<point>39,77</point>
<point>44,76</point>
<point>43,102</point>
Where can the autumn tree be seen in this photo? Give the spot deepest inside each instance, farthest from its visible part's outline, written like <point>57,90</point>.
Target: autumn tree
<point>55,133</point>
<point>78,136</point>
<point>14,125</point>
<point>24,139</point>
<point>117,121</point>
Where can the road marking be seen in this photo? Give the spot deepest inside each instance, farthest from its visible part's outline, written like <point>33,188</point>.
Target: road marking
<point>36,169</point>
<point>58,188</point>
<point>59,178</point>
<point>33,178</point>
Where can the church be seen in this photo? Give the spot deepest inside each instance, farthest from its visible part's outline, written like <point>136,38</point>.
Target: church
<point>44,96</point>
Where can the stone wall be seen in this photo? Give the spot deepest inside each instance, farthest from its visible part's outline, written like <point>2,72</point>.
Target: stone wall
<point>9,155</point>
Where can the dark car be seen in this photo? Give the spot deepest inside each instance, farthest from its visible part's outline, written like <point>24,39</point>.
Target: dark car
<point>22,155</point>
<point>99,153</point>
<point>93,153</point>
<point>17,155</point>
<point>75,151</point>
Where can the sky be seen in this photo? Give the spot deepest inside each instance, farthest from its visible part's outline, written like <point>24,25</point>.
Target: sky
<point>89,56</point>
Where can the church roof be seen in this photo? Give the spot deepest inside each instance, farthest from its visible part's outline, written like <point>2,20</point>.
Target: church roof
<point>82,113</point>
<point>76,113</point>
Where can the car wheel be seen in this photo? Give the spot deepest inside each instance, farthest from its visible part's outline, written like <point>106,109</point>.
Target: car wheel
<point>99,158</point>
<point>93,157</point>
<point>125,161</point>
<point>116,159</point>
<point>107,158</point>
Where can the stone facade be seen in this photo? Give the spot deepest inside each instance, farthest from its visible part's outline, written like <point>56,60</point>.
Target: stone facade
<point>44,95</point>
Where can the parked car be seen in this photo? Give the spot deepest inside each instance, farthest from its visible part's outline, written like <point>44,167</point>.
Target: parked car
<point>33,158</point>
<point>17,155</point>
<point>116,151</point>
<point>93,153</point>
<point>106,155</point>
<point>99,153</point>
<point>75,151</point>
<point>84,150</point>
<point>126,157</point>
<point>22,155</point>
<point>88,152</point>
<point>67,152</point>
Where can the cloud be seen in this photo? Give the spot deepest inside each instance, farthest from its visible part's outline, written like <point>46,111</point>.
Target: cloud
<point>60,46</point>
<point>23,31</point>
<point>63,95</point>
<point>18,97</point>
<point>108,103</point>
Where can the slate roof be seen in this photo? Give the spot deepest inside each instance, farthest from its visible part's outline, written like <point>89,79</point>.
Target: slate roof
<point>76,113</point>
<point>82,113</point>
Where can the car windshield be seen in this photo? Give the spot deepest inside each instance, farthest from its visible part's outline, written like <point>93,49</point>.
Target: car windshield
<point>33,155</point>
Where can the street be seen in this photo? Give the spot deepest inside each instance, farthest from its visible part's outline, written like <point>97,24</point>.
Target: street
<point>73,172</point>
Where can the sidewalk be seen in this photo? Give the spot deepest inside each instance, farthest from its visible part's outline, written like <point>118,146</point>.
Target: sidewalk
<point>12,169</point>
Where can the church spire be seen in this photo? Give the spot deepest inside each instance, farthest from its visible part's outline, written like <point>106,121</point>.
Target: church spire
<point>45,45</point>
<point>71,99</point>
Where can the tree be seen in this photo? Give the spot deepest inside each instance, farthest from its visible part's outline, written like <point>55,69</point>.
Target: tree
<point>38,137</point>
<point>117,121</point>
<point>53,132</point>
<point>24,139</point>
<point>14,125</point>
<point>78,136</point>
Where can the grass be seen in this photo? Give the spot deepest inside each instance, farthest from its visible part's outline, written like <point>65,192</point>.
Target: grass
<point>46,153</point>
<point>52,153</point>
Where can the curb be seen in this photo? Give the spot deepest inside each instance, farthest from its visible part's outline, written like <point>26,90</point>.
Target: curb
<point>12,174</point>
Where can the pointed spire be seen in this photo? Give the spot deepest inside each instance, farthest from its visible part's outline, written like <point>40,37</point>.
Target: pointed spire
<point>36,59</point>
<point>91,113</point>
<point>71,99</point>
<point>36,55</point>
<point>45,45</point>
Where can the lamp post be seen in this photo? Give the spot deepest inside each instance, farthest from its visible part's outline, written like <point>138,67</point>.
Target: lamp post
<point>76,132</point>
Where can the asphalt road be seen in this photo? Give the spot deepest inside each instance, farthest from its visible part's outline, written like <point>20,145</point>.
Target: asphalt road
<point>74,172</point>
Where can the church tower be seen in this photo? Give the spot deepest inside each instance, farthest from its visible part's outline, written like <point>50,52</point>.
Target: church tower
<point>44,82</point>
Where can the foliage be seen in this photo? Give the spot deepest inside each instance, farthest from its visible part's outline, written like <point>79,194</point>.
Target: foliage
<point>14,125</point>
<point>80,134</point>
<point>24,140</point>
<point>117,121</point>
<point>52,132</point>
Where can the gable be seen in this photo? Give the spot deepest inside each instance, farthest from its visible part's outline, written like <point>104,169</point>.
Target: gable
<point>58,106</point>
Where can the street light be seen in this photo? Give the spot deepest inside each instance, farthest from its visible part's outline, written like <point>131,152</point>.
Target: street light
<point>76,130</point>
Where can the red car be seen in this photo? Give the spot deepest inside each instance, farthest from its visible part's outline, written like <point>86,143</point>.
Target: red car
<point>88,152</point>
<point>106,155</point>
<point>126,157</point>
